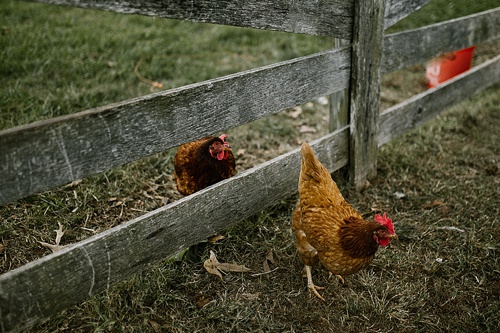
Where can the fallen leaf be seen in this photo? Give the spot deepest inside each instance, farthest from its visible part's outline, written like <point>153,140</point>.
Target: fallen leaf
<point>434,204</point>
<point>215,239</point>
<point>307,129</point>
<point>451,228</point>
<point>322,100</point>
<point>1,248</point>
<point>269,259</point>
<point>241,152</point>
<point>443,209</point>
<point>59,233</point>
<point>202,300</point>
<point>232,267</point>
<point>74,183</point>
<point>213,266</point>
<point>295,112</point>
<point>155,325</point>
<point>53,247</point>
<point>399,195</point>
<point>251,297</point>
<point>56,247</point>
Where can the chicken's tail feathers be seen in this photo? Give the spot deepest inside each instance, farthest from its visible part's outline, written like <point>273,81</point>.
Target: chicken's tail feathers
<point>311,167</point>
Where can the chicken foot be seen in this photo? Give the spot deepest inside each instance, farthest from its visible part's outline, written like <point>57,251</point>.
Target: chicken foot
<point>312,288</point>
<point>338,277</point>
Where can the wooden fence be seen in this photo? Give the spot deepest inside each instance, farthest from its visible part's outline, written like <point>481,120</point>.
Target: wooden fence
<point>46,154</point>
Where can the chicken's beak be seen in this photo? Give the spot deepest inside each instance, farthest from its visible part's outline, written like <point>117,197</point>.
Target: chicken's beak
<point>228,148</point>
<point>393,236</point>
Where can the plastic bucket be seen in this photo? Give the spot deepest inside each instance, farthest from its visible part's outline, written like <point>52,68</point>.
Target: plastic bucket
<point>445,67</point>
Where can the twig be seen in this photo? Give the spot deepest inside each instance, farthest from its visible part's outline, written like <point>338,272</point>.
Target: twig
<point>263,273</point>
<point>153,84</point>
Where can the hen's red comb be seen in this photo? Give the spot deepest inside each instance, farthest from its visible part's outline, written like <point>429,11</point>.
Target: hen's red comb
<point>384,220</point>
<point>223,138</point>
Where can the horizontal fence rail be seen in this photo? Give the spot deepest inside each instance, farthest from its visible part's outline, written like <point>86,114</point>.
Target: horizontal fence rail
<point>306,17</point>
<point>396,10</point>
<point>416,46</point>
<point>46,154</point>
<point>50,284</point>
<point>324,18</point>
<point>420,108</point>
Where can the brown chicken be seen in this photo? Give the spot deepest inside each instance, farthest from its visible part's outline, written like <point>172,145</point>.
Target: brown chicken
<point>327,229</point>
<point>202,163</point>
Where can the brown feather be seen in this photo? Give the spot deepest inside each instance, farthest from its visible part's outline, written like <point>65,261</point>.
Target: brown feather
<point>196,169</point>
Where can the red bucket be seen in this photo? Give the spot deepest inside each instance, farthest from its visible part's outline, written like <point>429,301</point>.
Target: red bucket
<point>447,66</point>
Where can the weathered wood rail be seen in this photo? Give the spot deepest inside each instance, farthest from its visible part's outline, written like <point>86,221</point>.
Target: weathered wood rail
<point>50,153</point>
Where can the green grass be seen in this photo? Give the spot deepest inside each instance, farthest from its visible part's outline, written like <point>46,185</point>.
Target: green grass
<point>60,60</point>
<point>441,10</point>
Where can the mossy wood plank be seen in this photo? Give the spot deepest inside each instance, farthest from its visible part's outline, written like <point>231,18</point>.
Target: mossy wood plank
<point>55,282</point>
<point>50,153</point>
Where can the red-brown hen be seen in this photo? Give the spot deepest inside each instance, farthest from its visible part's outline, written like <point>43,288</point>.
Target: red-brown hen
<point>202,163</point>
<point>329,230</point>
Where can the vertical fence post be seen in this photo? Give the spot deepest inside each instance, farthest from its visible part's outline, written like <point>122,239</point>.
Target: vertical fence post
<point>367,46</point>
<point>339,101</point>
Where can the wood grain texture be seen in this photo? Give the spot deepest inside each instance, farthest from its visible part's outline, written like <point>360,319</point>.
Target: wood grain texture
<point>339,101</point>
<point>323,18</point>
<point>55,282</point>
<point>396,10</point>
<point>50,153</point>
<point>419,45</point>
<point>413,112</point>
<point>327,17</point>
<point>365,89</point>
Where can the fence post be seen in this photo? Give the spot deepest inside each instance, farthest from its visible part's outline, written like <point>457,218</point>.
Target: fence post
<point>339,101</point>
<point>367,49</point>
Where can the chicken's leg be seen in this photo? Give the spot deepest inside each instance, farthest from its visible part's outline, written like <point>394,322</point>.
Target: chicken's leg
<point>338,277</point>
<point>311,285</point>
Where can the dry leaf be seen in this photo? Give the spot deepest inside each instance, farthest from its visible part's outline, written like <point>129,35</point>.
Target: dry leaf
<point>213,266</point>
<point>295,112</point>
<point>307,129</point>
<point>215,239</point>
<point>52,247</point>
<point>74,183</point>
<point>269,259</point>
<point>232,267</point>
<point>59,233</point>
<point>156,327</point>
<point>399,195</point>
<point>56,247</point>
<point>322,100</point>
<point>434,204</point>
<point>240,152</point>
<point>443,209</point>
<point>1,248</point>
<point>251,297</point>
<point>202,300</point>
<point>451,228</point>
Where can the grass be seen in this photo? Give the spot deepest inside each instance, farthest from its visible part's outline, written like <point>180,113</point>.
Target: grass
<point>60,60</point>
